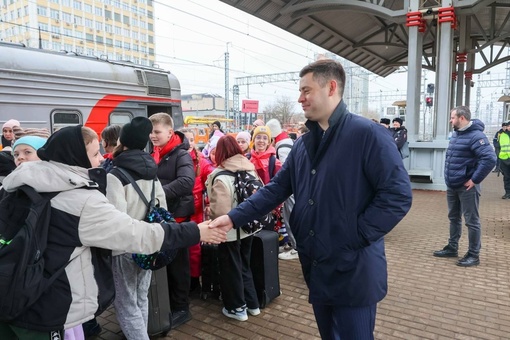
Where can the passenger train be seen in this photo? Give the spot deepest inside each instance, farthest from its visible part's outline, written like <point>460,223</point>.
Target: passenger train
<point>55,89</point>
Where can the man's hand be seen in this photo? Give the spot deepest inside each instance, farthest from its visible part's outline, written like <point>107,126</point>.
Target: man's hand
<point>210,235</point>
<point>469,184</point>
<point>223,222</point>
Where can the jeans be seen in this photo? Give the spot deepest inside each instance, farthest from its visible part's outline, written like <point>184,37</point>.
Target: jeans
<point>131,302</point>
<point>464,202</point>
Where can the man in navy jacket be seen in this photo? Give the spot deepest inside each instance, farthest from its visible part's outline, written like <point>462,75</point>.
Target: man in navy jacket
<point>351,189</point>
<point>469,159</point>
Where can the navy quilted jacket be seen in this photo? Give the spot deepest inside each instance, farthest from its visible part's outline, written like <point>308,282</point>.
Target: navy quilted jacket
<point>469,156</point>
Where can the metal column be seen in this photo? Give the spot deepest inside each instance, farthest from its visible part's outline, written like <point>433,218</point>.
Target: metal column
<point>444,77</point>
<point>414,68</point>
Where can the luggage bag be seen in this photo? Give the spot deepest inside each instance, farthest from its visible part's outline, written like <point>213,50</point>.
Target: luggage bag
<point>264,266</point>
<point>160,318</point>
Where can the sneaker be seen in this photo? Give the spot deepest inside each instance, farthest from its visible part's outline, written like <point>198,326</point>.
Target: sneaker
<point>238,314</point>
<point>286,247</point>
<point>290,255</point>
<point>254,311</point>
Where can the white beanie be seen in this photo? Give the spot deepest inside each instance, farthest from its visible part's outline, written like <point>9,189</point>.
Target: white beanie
<point>244,135</point>
<point>274,126</point>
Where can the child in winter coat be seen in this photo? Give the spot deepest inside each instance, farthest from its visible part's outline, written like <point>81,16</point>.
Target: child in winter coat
<point>7,134</point>
<point>262,152</point>
<point>236,279</point>
<point>132,282</point>
<point>243,138</point>
<point>83,225</point>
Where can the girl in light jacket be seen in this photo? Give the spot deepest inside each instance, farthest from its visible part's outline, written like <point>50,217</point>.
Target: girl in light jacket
<point>83,225</point>
<point>236,279</point>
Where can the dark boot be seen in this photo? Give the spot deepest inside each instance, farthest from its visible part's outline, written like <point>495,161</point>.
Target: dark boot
<point>180,317</point>
<point>448,251</point>
<point>468,260</point>
<point>91,328</point>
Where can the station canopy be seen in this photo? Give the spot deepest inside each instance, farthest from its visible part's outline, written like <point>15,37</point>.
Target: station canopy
<point>373,33</point>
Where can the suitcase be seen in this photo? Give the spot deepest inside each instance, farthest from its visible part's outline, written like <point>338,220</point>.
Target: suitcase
<point>160,318</point>
<point>264,266</point>
<point>210,272</point>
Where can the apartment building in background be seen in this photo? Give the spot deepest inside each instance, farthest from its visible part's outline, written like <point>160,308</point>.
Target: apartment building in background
<point>113,29</point>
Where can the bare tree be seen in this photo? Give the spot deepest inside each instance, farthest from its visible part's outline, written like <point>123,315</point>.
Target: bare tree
<point>370,114</point>
<point>282,109</point>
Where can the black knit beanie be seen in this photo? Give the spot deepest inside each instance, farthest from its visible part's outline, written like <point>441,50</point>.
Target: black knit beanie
<point>135,135</point>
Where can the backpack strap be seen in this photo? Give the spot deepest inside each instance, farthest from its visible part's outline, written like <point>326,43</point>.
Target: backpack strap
<point>223,172</point>
<point>132,181</point>
<point>272,166</point>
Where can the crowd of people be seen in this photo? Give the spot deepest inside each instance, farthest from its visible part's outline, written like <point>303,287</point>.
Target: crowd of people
<point>341,249</point>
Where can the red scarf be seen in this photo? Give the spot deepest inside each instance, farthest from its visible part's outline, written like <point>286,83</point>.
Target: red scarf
<point>261,162</point>
<point>160,152</point>
<point>281,137</point>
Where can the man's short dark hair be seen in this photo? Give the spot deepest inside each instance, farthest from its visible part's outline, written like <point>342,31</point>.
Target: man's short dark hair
<point>462,111</point>
<point>324,70</point>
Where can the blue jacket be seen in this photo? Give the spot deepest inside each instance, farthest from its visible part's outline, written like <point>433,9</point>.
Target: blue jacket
<point>469,156</point>
<point>351,189</point>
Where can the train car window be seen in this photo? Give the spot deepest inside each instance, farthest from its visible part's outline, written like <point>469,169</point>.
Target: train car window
<point>62,118</point>
<point>120,118</point>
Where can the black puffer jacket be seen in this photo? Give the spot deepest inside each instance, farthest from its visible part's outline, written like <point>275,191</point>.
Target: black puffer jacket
<point>177,175</point>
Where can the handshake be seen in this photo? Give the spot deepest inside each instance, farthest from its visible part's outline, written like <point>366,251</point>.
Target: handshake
<point>215,231</point>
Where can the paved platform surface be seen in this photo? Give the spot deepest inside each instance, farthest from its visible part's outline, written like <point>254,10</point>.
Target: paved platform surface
<point>428,297</point>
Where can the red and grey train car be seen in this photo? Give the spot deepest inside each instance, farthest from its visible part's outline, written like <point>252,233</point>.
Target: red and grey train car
<point>55,89</point>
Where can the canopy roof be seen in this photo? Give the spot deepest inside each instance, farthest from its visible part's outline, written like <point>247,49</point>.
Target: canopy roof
<point>373,34</point>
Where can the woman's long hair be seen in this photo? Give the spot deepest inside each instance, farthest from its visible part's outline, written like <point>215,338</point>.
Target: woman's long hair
<point>226,148</point>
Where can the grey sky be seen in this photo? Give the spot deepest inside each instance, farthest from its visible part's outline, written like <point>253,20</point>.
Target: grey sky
<point>192,37</point>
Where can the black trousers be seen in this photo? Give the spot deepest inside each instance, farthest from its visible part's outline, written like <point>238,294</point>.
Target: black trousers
<point>179,280</point>
<point>498,161</point>
<point>504,165</point>
<point>236,279</point>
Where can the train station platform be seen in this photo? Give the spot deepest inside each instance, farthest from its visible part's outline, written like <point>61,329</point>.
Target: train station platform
<point>428,297</point>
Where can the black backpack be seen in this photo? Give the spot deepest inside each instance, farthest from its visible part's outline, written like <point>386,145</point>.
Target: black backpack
<point>24,223</point>
<point>155,214</point>
<point>245,185</point>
